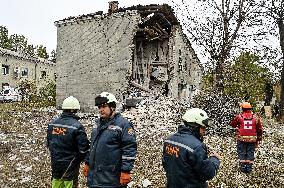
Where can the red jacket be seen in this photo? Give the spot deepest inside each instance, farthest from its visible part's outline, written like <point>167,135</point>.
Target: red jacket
<point>249,127</point>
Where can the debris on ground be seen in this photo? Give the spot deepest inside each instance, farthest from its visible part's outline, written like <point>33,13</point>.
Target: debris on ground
<point>25,160</point>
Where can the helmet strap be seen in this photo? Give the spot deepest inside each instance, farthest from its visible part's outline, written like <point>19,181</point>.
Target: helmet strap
<point>191,124</point>
<point>196,127</point>
<point>70,110</point>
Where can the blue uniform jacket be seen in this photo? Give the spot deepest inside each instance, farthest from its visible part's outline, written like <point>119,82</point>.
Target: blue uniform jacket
<point>113,150</point>
<point>68,145</point>
<point>186,161</point>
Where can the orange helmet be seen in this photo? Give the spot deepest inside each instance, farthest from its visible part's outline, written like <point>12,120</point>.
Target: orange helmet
<point>246,105</point>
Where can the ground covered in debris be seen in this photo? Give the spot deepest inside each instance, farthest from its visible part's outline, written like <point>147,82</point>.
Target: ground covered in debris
<point>24,159</point>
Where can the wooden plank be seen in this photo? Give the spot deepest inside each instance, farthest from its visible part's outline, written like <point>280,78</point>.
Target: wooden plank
<point>135,84</point>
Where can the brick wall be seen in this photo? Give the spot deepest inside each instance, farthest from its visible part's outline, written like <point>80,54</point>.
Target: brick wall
<point>185,65</point>
<point>95,56</point>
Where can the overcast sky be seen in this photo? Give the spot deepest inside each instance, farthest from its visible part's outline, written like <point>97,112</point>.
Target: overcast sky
<point>35,18</point>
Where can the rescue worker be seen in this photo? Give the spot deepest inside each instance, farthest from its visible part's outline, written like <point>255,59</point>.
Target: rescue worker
<point>68,145</point>
<point>185,156</point>
<point>113,147</point>
<point>249,135</point>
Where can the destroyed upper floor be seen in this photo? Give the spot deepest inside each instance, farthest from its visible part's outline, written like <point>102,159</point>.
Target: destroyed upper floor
<point>140,46</point>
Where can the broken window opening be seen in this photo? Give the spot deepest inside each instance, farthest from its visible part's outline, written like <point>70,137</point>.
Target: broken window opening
<point>140,71</point>
<point>25,72</point>
<point>149,69</point>
<point>5,85</point>
<point>179,64</point>
<point>182,89</point>
<point>43,75</point>
<point>16,72</point>
<point>154,73</point>
<point>5,69</point>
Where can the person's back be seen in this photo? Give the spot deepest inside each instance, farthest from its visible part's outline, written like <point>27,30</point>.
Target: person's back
<point>68,145</point>
<point>185,157</point>
<point>248,135</point>
<point>246,126</point>
<point>62,138</point>
<point>249,126</point>
<point>183,154</point>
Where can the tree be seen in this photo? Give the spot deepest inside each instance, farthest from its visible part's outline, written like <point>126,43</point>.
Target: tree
<point>4,38</point>
<point>41,52</point>
<point>248,79</point>
<point>275,10</point>
<point>53,56</point>
<point>30,50</point>
<point>220,28</point>
<point>18,43</point>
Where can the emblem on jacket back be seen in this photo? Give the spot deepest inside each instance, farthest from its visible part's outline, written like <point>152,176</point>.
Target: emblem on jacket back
<point>172,150</point>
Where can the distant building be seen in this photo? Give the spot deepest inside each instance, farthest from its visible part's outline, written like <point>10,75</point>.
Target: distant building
<point>140,46</point>
<point>17,67</point>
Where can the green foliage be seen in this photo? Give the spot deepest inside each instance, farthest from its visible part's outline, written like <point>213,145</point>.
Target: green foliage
<point>4,37</point>
<point>41,52</point>
<point>30,50</point>
<point>47,93</point>
<point>247,79</point>
<point>19,43</point>
<point>208,81</point>
<point>53,56</point>
<point>28,89</point>
<point>244,79</point>
<point>44,96</point>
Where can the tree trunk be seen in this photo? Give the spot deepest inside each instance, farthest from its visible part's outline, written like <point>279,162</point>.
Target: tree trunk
<point>219,76</point>
<point>281,104</point>
<point>268,93</point>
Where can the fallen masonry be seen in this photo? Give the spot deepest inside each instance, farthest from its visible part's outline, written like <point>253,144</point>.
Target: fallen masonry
<point>24,159</point>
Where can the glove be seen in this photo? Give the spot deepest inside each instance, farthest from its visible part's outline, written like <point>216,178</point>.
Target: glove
<point>86,170</point>
<point>124,178</point>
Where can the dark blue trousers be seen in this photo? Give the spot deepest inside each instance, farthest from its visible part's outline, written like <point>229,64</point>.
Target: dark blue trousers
<point>246,155</point>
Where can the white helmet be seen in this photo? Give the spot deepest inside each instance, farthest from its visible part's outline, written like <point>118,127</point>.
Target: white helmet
<point>105,98</point>
<point>196,115</point>
<point>71,103</point>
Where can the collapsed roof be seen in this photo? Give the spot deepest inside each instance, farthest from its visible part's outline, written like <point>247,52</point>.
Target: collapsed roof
<point>156,22</point>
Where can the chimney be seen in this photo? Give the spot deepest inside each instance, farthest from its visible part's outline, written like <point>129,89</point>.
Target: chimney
<point>113,7</point>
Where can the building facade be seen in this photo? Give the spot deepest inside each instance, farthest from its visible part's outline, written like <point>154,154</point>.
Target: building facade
<point>140,46</point>
<point>17,67</point>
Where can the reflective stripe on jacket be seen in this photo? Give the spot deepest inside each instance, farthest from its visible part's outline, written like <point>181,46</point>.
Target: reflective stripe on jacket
<point>113,150</point>
<point>68,145</point>
<point>186,161</point>
<point>247,138</point>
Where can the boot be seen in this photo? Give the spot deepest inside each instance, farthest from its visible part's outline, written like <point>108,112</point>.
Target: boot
<point>243,167</point>
<point>248,168</point>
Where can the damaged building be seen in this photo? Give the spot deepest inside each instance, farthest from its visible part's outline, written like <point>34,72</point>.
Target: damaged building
<point>17,67</point>
<point>139,46</point>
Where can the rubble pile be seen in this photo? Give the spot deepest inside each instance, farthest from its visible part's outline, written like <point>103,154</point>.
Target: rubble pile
<point>154,119</point>
<point>24,158</point>
<point>221,108</point>
<point>25,162</point>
